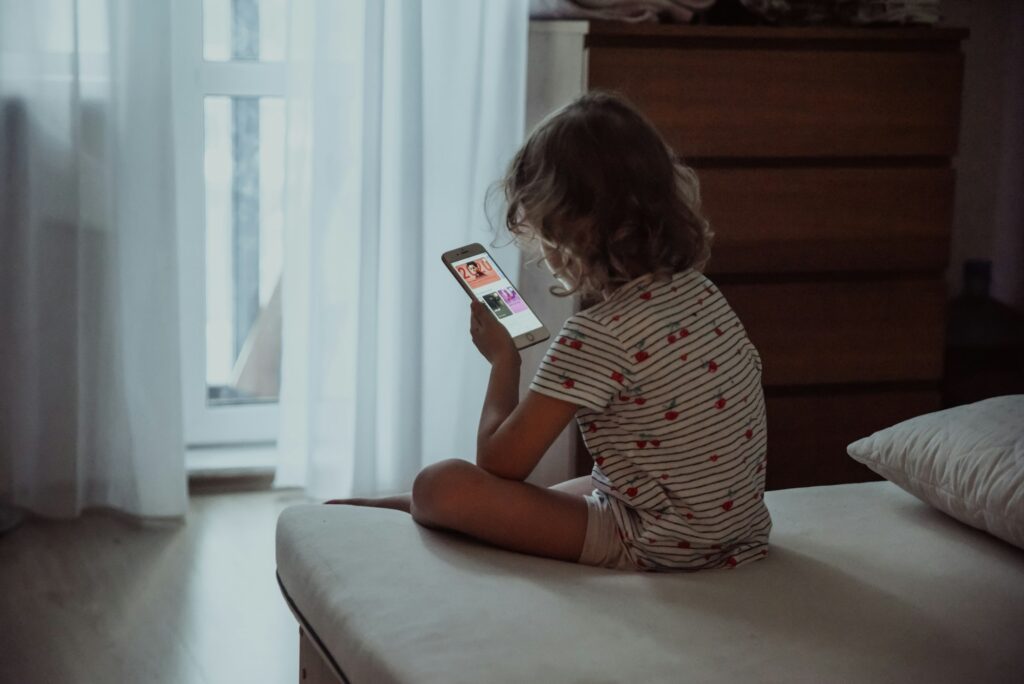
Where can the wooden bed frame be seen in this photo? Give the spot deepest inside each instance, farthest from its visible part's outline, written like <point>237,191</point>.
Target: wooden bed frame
<point>315,666</point>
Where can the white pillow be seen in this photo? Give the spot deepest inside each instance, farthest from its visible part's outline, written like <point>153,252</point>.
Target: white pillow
<point>967,461</point>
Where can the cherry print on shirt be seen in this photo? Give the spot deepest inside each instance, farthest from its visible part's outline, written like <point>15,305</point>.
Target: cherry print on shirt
<point>567,382</point>
<point>641,355</point>
<point>731,562</point>
<point>592,427</point>
<point>670,413</point>
<point>574,342</point>
<point>640,401</point>
<point>553,358</point>
<point>712,366</point>
<point>684,357</point>
<point>720,400</point>
<point>713,458</point>
<point>646,296</point>
<point>645,439</point>
<point>749,433</point>
<point>718,331</point>
<point>727,504</point>
<point>675,333</point>
<point>618,377</point>
<point>599,460</point>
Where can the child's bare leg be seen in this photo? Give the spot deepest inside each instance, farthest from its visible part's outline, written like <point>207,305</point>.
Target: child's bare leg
<point>402,502</point>
<point>399,502</point>
<point>457,495</point>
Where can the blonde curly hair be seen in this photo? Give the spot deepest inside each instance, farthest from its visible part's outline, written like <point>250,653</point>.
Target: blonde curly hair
<point>598,186</point>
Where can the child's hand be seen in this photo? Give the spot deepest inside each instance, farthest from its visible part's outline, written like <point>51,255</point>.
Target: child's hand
<point>491,338</point>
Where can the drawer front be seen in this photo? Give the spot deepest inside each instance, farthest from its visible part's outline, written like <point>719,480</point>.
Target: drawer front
<point>790,103</point>
<point>808,435</point>
<point>844,332</point>
<point>785,220</point>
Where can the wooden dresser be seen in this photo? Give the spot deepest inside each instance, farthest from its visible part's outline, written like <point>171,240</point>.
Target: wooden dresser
<point>825,161</point>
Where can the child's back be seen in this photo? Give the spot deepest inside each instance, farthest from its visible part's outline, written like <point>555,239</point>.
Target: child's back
<point>673,415</point>
<point>667,381</point>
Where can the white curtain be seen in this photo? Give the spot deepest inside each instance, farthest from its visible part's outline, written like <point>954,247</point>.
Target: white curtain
<point>401,113</point>
<point>90,400</point>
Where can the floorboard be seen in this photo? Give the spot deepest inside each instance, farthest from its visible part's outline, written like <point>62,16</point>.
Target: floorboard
<point>104,599</point>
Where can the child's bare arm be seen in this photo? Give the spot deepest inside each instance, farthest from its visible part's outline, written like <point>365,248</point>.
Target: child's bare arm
<point>501,399</point>
<point>513,435</point>
<point>522,439</point>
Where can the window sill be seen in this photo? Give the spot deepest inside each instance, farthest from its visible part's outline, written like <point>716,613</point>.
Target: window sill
<point>231,460</point>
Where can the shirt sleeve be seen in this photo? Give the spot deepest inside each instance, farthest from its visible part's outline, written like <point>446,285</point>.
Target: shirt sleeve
<point>585,365</point>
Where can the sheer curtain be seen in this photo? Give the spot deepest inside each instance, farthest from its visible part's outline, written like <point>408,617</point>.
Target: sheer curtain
<point>400,116</point>
<point>90,401</point>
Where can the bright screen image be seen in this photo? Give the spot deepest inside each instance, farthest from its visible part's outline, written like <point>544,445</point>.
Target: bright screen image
<point>491,287</point>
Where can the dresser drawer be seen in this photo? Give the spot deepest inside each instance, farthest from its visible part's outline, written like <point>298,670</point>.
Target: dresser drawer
<point>792,220</point>
<point>790,102</point>
<point>808,435</point>
<point>844,332</point>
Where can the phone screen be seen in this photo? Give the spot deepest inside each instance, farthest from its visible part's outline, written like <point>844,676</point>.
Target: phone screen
<point>489,285</point>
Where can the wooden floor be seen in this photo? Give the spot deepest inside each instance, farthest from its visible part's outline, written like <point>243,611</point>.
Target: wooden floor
<point>103,600</point>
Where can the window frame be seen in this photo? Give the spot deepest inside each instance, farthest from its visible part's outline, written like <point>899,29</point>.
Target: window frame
<point>193,79</point>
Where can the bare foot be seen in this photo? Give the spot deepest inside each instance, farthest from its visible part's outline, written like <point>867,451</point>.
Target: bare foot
<point>401,502</point>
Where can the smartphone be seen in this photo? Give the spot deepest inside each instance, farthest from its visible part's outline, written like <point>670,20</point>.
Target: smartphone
<point>479,275</point>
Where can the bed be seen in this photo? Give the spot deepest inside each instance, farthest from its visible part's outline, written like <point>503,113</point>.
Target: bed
<point>863,583</point>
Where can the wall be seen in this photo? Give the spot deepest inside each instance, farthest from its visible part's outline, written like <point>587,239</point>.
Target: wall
<point>988,221</point>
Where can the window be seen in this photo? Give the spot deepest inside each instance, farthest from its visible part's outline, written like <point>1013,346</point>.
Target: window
<point>229,75</point>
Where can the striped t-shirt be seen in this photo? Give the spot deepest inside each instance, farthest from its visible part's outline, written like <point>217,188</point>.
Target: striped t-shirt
<point>672,411</point>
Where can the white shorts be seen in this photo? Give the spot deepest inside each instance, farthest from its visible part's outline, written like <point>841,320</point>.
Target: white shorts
<point>602,546</point>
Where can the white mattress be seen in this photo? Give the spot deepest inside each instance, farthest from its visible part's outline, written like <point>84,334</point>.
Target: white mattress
<point>863,583</point>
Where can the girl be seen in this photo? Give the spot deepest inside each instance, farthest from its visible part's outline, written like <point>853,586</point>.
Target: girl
<point>658,371</point>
